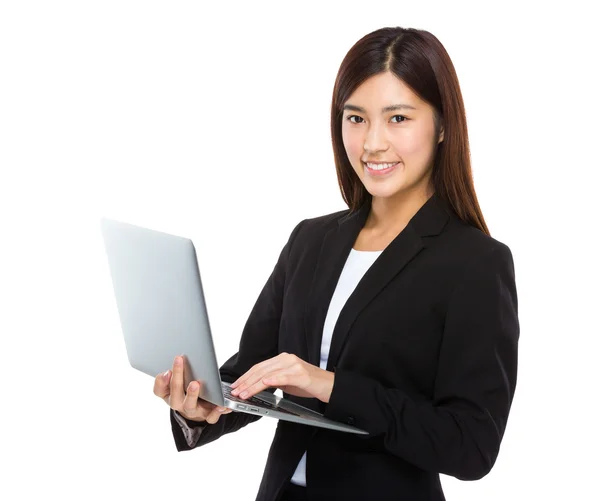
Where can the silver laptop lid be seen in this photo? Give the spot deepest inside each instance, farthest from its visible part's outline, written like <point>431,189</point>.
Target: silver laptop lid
<point>160,301</point>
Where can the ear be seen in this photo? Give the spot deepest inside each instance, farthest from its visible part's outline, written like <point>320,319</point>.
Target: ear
<point>441,136</point>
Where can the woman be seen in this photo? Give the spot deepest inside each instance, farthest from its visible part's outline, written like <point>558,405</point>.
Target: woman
<point>398,315</point>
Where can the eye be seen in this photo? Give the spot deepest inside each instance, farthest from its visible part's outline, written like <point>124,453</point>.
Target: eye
<point>350,117</point>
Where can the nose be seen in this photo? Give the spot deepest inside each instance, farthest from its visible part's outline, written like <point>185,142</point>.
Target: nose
<point>375,140</point>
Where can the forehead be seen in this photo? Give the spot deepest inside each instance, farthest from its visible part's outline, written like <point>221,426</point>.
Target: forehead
<point>382,90</point>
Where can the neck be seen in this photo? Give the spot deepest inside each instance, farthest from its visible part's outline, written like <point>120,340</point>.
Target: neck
<point>393,213</point>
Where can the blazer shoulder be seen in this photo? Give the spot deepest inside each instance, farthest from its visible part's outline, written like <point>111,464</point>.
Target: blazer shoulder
<point>321,224</point>
<point>311,230</point>
<point>472,244</point>
<point>327,220</point>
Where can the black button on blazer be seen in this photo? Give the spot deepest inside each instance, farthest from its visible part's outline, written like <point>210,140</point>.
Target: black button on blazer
<point>424,354</point>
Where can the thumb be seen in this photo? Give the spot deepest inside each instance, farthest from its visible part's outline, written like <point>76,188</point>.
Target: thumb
<point>162,387</point>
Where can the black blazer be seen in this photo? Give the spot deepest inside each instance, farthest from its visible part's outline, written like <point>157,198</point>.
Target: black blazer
<point>424,354</point>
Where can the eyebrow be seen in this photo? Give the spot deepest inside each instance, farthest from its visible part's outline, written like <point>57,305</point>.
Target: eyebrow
<point>393,107</point>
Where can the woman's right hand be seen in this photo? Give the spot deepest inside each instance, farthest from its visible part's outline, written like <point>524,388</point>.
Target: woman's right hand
<point>169,387</point>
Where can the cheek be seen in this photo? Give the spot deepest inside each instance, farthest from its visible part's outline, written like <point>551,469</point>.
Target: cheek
<point>352,145</point>
<point>414,142</point>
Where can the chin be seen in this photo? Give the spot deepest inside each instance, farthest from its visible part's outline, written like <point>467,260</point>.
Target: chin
<point>394,188</point>
<point>384,191</point>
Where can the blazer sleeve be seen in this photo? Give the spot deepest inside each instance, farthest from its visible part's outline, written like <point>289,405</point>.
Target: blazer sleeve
<point>191,432</point>
<point>459,431</point>
<point>259,341</point>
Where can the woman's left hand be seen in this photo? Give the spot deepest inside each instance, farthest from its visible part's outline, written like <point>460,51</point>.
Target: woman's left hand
<point>288,372</point>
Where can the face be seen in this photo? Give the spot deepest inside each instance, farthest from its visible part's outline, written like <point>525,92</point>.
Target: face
<point>388,133</point>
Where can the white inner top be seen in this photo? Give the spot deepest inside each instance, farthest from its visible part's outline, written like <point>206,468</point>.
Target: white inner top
<point>356,266</point>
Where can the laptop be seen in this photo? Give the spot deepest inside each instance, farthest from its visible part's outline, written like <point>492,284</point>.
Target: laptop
<point>162,311</point>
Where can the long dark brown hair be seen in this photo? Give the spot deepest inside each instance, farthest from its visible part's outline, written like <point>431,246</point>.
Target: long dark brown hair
<point>419,59</point>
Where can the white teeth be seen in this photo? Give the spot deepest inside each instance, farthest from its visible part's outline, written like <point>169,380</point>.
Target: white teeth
<point>379,166</point>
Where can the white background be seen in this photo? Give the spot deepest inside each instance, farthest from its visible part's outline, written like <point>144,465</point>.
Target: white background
<point>212,122</point>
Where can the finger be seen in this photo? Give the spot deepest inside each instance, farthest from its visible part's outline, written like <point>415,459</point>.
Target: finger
<point>282,362</point>
<point>253,389</point>
<point>215,414</point>
<point>255,375</point>
<point>190,402</point>
<point>260,367</point>
<point>177,395</point>
<point>161,384</point>
<point>281,378</point>
<point>248,374</point>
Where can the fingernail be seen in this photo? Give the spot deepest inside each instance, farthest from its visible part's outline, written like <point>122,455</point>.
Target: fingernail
<point>222,409</point>
<point>166,374</point>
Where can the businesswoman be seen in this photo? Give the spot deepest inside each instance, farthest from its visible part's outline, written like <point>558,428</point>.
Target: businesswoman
<point>397,315</point>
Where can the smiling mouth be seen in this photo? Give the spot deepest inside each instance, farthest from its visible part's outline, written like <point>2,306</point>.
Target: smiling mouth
<point>379,169</point>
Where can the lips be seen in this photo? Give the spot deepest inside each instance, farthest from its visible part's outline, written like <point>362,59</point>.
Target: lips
<point>379,169</point>
<point>379,165</point>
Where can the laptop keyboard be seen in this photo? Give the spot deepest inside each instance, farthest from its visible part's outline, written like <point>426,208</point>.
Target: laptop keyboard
<point>256,401</point>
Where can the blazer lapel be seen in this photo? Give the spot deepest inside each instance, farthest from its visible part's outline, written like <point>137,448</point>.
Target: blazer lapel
<point>337,243</point>
<point>335,249</point>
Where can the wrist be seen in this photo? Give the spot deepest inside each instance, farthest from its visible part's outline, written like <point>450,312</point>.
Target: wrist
<point>192,423</point>
<point>327,386</point>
